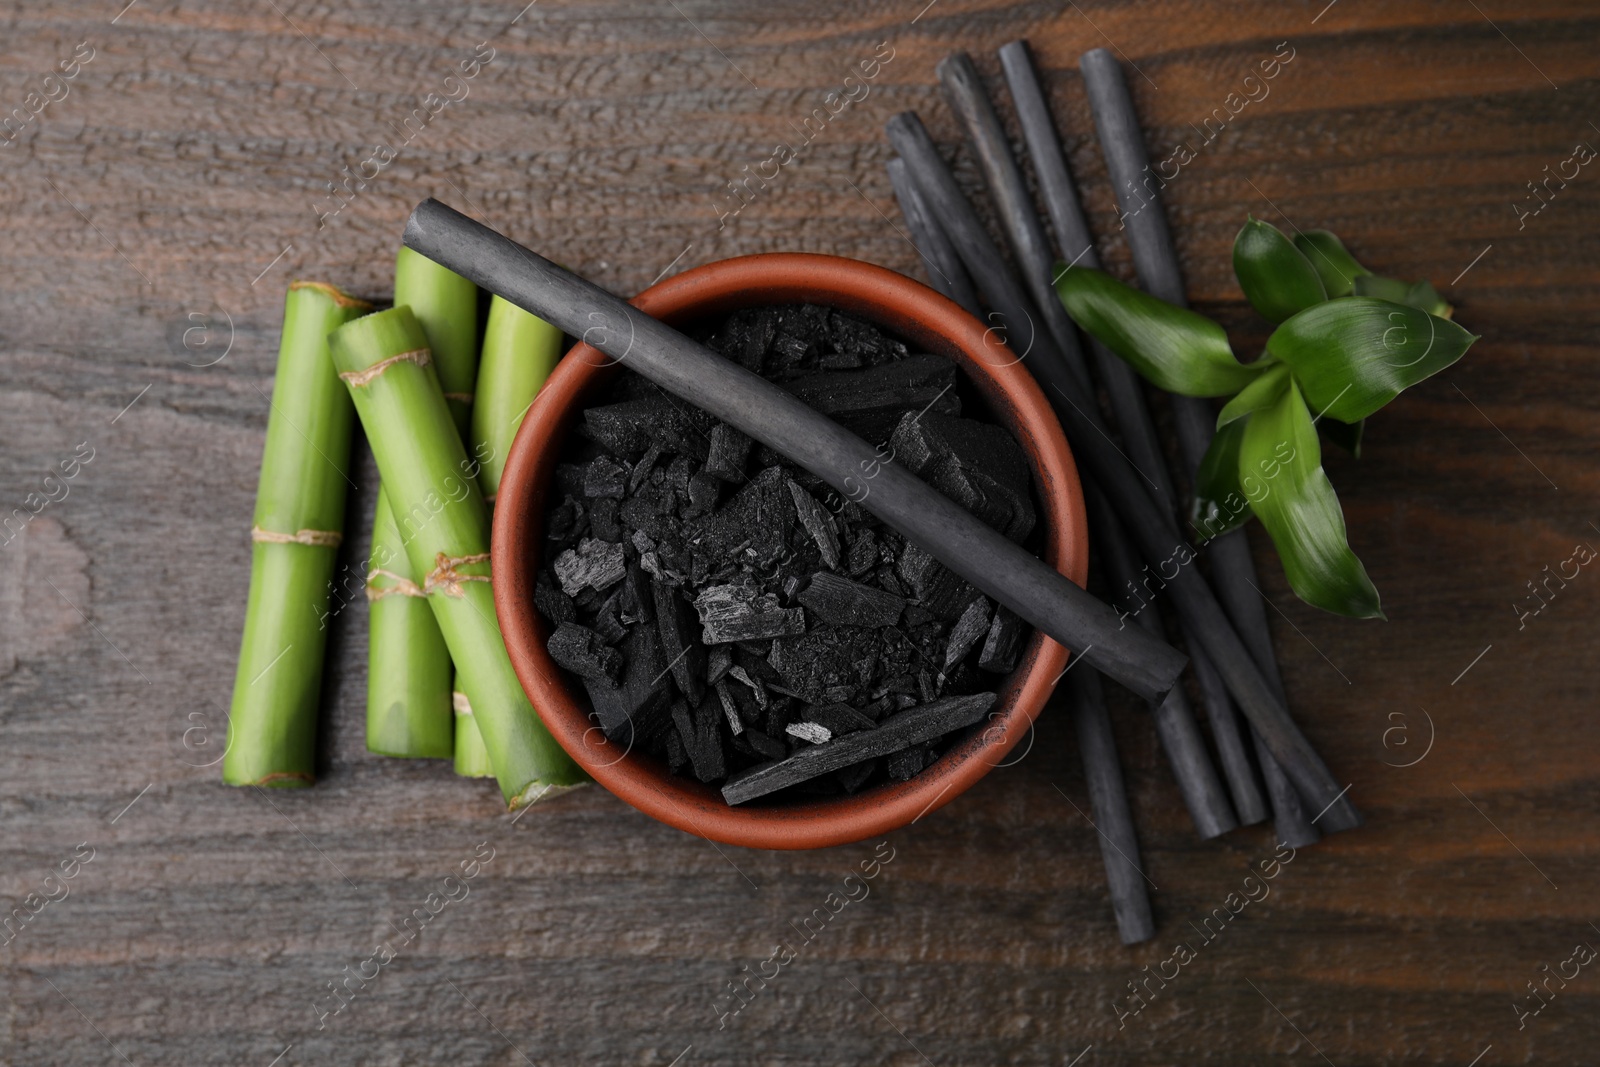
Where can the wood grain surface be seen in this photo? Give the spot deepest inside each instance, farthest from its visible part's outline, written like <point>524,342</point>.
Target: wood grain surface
<point>155,212</point>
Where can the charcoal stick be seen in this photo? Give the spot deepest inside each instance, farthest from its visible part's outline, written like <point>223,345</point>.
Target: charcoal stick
<point>939,257</point>
<point>1180,736</point>
<point>778,419</point>
<point>1127,398</point>
<point>1152,526</point>
<point>1155,260</point>
<point>1108,798</point>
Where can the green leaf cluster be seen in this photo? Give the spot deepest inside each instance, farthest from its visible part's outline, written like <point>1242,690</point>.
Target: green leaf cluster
<point>1347,342</point>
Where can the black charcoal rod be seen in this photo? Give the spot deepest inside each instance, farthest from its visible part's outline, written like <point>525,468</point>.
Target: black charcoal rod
<point>1108,799</point>
<point>1180,735</point>
<point>1126,394</point>
<point>781,421</point>
<point>1102,769</point>
<point>1151,526</point>
<point>1002,174</point>
<point>1018,219</point>
<point>939,259</point>
<point>1155,260</point>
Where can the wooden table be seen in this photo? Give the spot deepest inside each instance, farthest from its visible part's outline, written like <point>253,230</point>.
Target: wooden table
<point>153,217</point>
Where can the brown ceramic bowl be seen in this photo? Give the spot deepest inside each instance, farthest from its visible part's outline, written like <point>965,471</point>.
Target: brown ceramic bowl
<point>926,321</point>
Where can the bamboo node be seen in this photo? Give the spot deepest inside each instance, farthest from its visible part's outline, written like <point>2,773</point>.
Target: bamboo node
<point>402,586</point>
<point>318,538</point>
<point>420,356</point>
<point>459,701</point>
<point>446,579</point>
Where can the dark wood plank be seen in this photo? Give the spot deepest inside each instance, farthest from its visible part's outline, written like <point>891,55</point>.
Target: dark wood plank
<point>180,177</point>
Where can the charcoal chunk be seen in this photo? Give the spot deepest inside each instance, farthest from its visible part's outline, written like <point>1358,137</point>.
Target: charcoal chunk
<point>677,754</point>
<point>728,451</point>
<point>552,603</point>
<point>895,733</point>
<point>767,747</point>
<point>604,519</point>
<point>680,643</point>
<point>863,553</point>
<point>812,732</point>
<point>633,426</point>
<point>700,733</point>
<point>721,661</point>
<point>703,492</point>
<point>642,687</point>
<point>605,477</point>
<point>583,652</point>
<point>818,523</point>
<point>810,664</point>
<point>937,588</point>
<point>840,602</point>
<point>636,602</point>
<point>978,465</point>
<point>968,630</point>
<point>730,710</point>
<point>740,612</point>
<point>1004,642</point>
<point>870,402</point>
<point>593,565</point>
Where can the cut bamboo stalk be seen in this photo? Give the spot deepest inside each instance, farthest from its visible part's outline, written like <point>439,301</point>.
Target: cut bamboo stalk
<point>385,362</point>
<point>1155,260</point>
<point>1127,399</point>
<point>1152,527</point>
<point>471,758</point>
<point>519,352</point>
<point>778,419</point>
<point>298,524</point>
<point>408,666</point>
<point>1175,723</point>
<point>446,306</point>
<point>409,710</point>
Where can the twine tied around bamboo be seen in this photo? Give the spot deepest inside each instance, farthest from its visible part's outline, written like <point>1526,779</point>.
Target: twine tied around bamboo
<point>446,579</point>
<point>402,586</point>
<point>420,356</point>
<point>318,538</point>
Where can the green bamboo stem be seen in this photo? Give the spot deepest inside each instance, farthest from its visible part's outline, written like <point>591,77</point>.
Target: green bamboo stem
<point>408,666</point>
<point>472,758</point>
<point>446,306</point>
<point>299,521</point>
<point>519,352</point>
<point>444,521</point>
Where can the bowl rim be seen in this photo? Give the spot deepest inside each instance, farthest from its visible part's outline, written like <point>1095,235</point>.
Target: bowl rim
<point>927,321</point>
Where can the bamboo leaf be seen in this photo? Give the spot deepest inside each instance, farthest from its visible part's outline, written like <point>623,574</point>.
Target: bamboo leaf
<point>1176,349</point>
<point>1280,471</point>
<point>1276,277</point>
<point>1258,394</point>
<point>1353,355</point>
<point>1333,262</point>
<point>1219,501</point>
